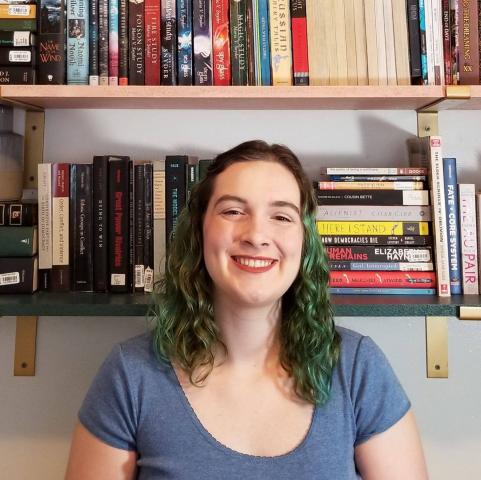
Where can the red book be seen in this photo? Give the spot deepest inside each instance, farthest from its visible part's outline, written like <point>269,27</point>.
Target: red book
<point>393,279</point>
<point>221,42</point>
<point>448,65</point>
<point>468,42</point>
<point>300,62</point>
<point>152,42</point>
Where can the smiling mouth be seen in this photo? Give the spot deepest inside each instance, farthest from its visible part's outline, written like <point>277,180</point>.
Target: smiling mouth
<point>254,264</point>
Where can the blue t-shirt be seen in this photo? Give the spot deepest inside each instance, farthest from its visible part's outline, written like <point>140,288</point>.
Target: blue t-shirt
<point>136,403</point>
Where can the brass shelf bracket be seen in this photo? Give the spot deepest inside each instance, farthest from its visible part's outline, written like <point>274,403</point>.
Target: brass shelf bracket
<point>437,347</point>
<point>25,347</point>
<point>470,313</point>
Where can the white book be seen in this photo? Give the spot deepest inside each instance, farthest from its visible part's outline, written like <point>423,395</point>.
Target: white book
<point>371,42</point>
<point>331,45</point>
<point>341,45</point>
<point>438,54</point>
<point>469,244</point>
<point>317,41</point>
<point>381,42</point>
<point>478,230</point>
<point>350,29</point>
<point>428,17</point>
<point>361,45</point>
<point>159,219</point>
<point>401,42</point>
<point>389,38</point>
<point>45,216</point>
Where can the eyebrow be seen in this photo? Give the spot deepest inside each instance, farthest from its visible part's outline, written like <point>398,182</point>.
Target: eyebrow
<point>277,203</point>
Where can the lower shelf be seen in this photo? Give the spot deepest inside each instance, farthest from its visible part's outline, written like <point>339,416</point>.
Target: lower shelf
<point>102,304</point>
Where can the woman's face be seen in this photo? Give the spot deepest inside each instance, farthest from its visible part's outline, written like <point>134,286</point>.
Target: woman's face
<point>253,233</point>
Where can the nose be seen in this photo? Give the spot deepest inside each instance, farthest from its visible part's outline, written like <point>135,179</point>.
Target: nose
<point>255,233</point>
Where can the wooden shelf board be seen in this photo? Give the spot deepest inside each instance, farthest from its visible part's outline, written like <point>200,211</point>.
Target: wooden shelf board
<point>255,98</point>
<point>99,304</point>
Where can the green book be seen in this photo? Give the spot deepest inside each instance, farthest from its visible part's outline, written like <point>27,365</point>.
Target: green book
<point>18,241</point>
<point>16,24</point>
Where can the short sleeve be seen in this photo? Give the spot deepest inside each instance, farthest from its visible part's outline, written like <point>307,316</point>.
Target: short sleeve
<point>108,410</point>
<point>379,401</point>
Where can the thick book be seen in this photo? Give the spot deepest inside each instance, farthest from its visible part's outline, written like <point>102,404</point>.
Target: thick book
<point>370,185</point>
<point>103,42</point>
<point>118,224</point>
<point>17,75</point>
<point>18,274</point>
<point>21,56</point>
<point>100,224</point>
<point>378,254</point>
<point>113,42</point>
<point>44,224</point>
<point>18,214</point>
<point>300,59</point>
<point>168,31</point>
<point>379,212</point>
<point>202,33</point>
<point>139,233</point>
<point>281,51</point>
<point>18,241</point>
<point>372,228</point>
<point>381,266</point>
<point>152,42</point>
<point>374,171</point>
<point>81,231</point>
<point>185,73</point>
<point>238,42</point>
<point>136,42</point>
<point>381,291</point>
<point>390,240</point>
<point>123,42</point>
<point>414,41</point>
<point>316,37</point>
<point>18,39</point>
<point>93,42</point>
<point>452,218</point>
<point>382,279</point>
<point>148,228</point>
<point>469,244</point>
<point>468,42</point>
<point>60,227</point>
<point>175,195</point>
<point>220,43</point>
<point>373,197</point>
<point>77,42</point>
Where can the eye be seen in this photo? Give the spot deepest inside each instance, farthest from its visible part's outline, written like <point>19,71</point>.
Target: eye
<point>283,218</point>
<point>232,212</point>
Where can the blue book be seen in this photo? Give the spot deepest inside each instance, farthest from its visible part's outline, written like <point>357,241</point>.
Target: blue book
<point>184,42</point>
<point>381,291</point>
<point>263,13</point>
<point>452,216</point>
<point>423,33</point>
<point>77,42</point>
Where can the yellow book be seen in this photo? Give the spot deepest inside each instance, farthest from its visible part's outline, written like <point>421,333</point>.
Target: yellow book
<point>281,52</point>
<point>12,11</point>
<point>350,28</point>
<point>372,228</point>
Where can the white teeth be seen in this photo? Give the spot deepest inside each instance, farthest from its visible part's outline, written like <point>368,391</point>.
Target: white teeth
<point>248,262</point>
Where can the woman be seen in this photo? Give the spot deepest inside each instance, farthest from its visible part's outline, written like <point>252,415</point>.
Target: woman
<point>245,375</point>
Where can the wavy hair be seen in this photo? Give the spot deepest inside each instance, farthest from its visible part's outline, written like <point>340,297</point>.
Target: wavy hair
<point>185,330</point>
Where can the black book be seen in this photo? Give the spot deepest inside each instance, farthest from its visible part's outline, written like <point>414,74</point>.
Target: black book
<point>103,9</point>
<point>414,40</point>
<point>238,42</point>
<point>18,39</point>
<point>148,227</point>
<point>130,270</point>
<point>139,267</point>
<point>136,42</point>
<point>373,197</point>
<point>18,56</point>
<point>52,38</point>
<point>184,47</point>
<point>175,180</point>
<point>18,213</point>
<point>81,261</point>
<point>18,274</point>
<point>123,42</point>
<point>202,34</point>
<point>94,42</point>
<point>17,75</point>
<point>168,30</point>
<point>118,220</point>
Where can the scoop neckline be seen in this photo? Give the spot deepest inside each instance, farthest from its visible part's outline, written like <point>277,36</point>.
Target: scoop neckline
<point>225,448</point>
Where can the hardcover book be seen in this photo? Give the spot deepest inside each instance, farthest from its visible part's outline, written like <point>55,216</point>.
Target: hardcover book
<point>379,212</point>
<point>381,266</point>
<point>77,42</point>
<point>21,56</point>
<point>18,274</point>
<point>18,241</point>
<point>414,41</point>
<point>18,39</point>
<point>317,41</point>
<point>18,214</point>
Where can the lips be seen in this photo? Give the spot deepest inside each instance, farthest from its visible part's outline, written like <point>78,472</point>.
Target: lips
<point>254,264</point>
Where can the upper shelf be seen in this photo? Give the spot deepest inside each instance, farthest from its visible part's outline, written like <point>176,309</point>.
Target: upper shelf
<point>242,98</point>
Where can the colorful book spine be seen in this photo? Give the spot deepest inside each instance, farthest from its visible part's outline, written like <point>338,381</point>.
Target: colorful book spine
<point>300,59</point>
<point>45,224</point>
<point>281,52</point>
<point>265,46</point>
<point>93,42</point>
<point>469,245</point>
<point>103,42</point>
<point>468,42</point>
<point>370,185</point>
<point>448,60</point>
<point>382,279</point>
<point>373,197</point>
<point>77,42</point>
<point>18,39</point>
<point>238,42</point>
<point>221,42</point>
<point>372,228</point>
<point>159,219</point>
<point>378,254</point>
<point>15,10</point>
<point>152,42</point>
<point>374,171</point>
<point>202,31</point>
<point>18,274</point>
<point>184,41</point>
<point>422,35</point>
<point>452,219</point>
<point>381,291</point>
<point>391,240</point>
<point>251,60</point>
<point>113,42</point>
<point>168,32</point>
<point>16,24</point>
<point>136,42</point>
<point>123,42</point>
<point>377,178</point>
<point>139,267</point>
<point>18,241</point>
<point>51,43</point>
<point>381,266</point>
<point>148,228</point>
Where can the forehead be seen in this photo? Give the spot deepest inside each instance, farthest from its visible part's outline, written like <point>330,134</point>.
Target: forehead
<point>256,180</point>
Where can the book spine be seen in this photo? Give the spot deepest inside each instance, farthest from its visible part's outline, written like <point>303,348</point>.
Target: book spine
<point>169,42</point>
<point>422,35</point>
<point>378,254</point>
<point>77,42</point>
<point>448,65</point>
<point>44,224</point>
<point>469,245</point>
<point>18,241</point>
<point>281,56</point>
<point>60,227</point>
<point>14,10</point>
<point>378,178</point>
<point>373,197</point>
<point>15,24</point>
<point>18,39</point>
<point>202,32</point>
<point>103,42</point>
<point>238,41</point>
<point>100,233</point>
<point>370,185</point>
<point>372,228</point>
<point>123,42</point>
<point>17,75</point>
<point>51,43</point>
<point>380,212</point>
<point>21,56</point>
<point>148,228</point>
<point>414,41</point>
<point>131,227</point>
<point>18,214</point>
<point>81,227</point>
<point>159,219</point>
<point>390,240</point>
<point>192,177</point>
<point>454,17</point>
<point>136,42</point>
<point>152,42</point>
<point>452,218</point>
<point>374,171</point>
<point>256,43</point>
<point>381,291</point>
<point>437,27</point>
<point>265,46</point>
<point>468,42</point>
<point>184,41</point>
<point>381,266</point>
<point>118,218</point>
<point>175,168</point>
<point>18,274</point>
<point>478,229</point>
<point>94,42</point>
<point>428,19</point>
<point>113,42</point>
<point>139,267</point>
<point>382,279</point>
<point>221,42</point>
<point>299,42</point>
<point>251,60</point>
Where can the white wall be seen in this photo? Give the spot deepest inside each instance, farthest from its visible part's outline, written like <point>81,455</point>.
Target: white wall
<point>37,414</point>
